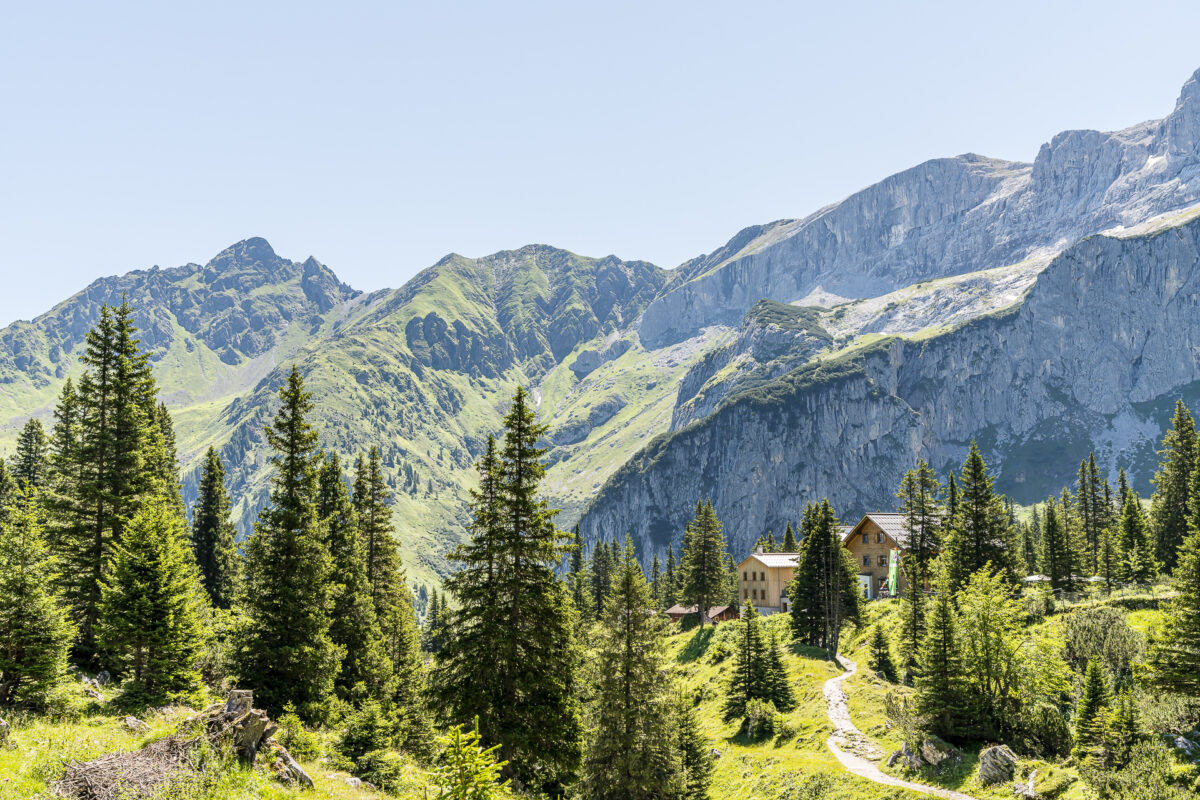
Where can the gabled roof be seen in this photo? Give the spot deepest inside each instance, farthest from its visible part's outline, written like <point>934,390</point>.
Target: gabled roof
<point>717,611</point>
<point>890,522</point>
<point>678,609</point>
<point>773,559</point>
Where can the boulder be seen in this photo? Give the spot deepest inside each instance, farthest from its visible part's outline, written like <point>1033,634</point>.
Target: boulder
<point>4,731</point>
<point>103,678</point>
<point>134,725</point>
<point>1186,746</point>
<point>1025,790</point>
<point>894,757</point>
<point>353,782</point>
<point>935,751</point>
<point>912,758</point>
<point>997,765</point>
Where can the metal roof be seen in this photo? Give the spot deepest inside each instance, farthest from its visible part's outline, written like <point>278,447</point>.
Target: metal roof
<point>891,523</point>
<point>774,559</point>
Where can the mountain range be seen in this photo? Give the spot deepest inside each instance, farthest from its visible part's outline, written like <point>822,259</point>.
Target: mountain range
<point>1044,309</point>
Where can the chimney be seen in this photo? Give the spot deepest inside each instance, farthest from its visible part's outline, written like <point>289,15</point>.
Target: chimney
<point>758,549</point>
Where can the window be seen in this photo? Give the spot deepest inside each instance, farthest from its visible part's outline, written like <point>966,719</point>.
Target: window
<point>745,594</point>
<point>883,560</point>
<point>744,576</point>
<point>866,559</point>
<point>754,593</point>
<point>879,538</point>
<point>866,538</point>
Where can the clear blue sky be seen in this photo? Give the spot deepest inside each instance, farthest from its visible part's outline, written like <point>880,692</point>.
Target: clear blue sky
<point>380,136</point>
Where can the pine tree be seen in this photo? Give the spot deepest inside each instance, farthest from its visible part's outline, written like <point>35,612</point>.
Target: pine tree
<point>366,670</point>
<point>602,574</point>
<point>29,464</point>
<point>1124,731</point>
<point>1109,565</point>
<point>703,573</point>
<point>579,579</point>
<point>286,653</point>
<point>655,579</point>
<point>939,677</point>
<point>696,761</point>
<point>789,539</point>
<point>510,656</point>
<point>1058,557</point>
<point>748,678</point>
<point>1172,487</point>
<point>1137,549</point>
<point>770,546</point>
<point>670,579</point>
<point>1175,657</point>
<point>35,631</point>
<point>1090,712</point>
<point>1091,511</point>
<point>213,534</point>
<point>152,607</point>
<point>1033,547</point>
<point>824,589</point>
<point>630,753</point>
<point>980,532</point>
<point>1124,492</point>
<point>778,686</point>
<point>922,510</point>
<point>9,491</point>
<point>881,655</point>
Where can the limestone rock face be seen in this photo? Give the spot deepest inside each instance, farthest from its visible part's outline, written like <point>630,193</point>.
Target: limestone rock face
<point>997,765</point>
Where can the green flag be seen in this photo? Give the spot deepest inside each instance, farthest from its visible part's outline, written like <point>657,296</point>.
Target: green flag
<point>893,572</point>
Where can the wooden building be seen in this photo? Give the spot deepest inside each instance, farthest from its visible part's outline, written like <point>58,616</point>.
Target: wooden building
<point>872,542</point>
<point>763,579</point>
<point>715,614</point>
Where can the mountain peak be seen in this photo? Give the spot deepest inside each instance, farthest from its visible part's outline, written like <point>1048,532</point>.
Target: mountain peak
<point>1183,125</point>
<point>247,252</point>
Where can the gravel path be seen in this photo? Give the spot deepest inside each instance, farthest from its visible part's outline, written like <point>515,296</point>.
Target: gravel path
<point>856,752</point>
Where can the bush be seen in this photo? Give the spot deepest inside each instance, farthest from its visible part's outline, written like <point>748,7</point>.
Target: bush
<point>1042,730</point>
<point>762,719</point>
<point>1102,633</point>
<point>1038,605</point>
<point>1148,776</point>
<point>383,768</point>
<point>303,744</point>
<point>366,731</point>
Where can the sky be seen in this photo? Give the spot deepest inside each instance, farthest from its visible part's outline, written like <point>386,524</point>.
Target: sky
<point>379,137</point>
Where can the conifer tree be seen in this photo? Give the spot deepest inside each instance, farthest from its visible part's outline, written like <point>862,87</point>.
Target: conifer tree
<point>29,464</point>
<point>655,579</point>
<point>286,653</point>
<point>1109,562</point>
<point>35,631</point>
<point>824,590</point>
<point>670,578</point>
<point>789,539</point>
<point>1124,492</point>
<point>881,655</point>
<point>922,510</point>
<point>366,669</point>
<point>214,535</point>
<point>1033,547</point>
<point>152,607</point>
<point>1172,487</point>
<point>1137,549</point>
<point>748,677</point>
<point>602,574</point>
<point>980,532</point>
<point>1175,657</point>
<point>939,677</point>
<point>778,687</point>
<point>703,571</point>
<point>631,753</point>
<point>769,544</point>
<point>391,598</point>
<point>1058,557</point>
<point>697,764</point>
<point>9,491</point>
<point>578,579</point>
<point>1090,712</point>
<point>510,655</point>
<point>1091,511</point>
<point>989,634</point>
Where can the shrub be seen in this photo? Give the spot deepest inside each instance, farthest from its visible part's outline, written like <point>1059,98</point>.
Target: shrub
<point>1102,633</point>
<point>383,768</point>
<point>1042,730</point>
<point>467,771</point>
<point>762,719</point>
<point>1148,776</point>
<point>302,743</point>
<point>366,731</point>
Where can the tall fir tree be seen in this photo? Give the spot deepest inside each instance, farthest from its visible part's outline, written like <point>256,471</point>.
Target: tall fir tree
<point>35,631</point>
<point>391,598</point>
<point>286,652</point>
<point>789,539</point>
<point>631,753</point>
<point>366,670</point>
<point>29,464</point>
<point>1124,492</point>
<point>1137,548</point>
<point>748,677</point>
<point>214,535</point>
<point>579,579</point>
<point>1090,712</point>
<point>1089,492</point>
<point>655,580</point>
<point>510,656</point>
<point>1033,547</point>
<point>697,762</point>
<point>703,573</point>
<point>1175,656</point>
<point>1172,487</point>
<point>778,686</point>
<point>602,574</point>
<point>920,505</point>
<point>939,678</point>
<point>1058,557</point>
<point>152,606</point>
<point>881,654</point>
<point>670,579</point>
<point>980,532</point>
<point>824,590</point>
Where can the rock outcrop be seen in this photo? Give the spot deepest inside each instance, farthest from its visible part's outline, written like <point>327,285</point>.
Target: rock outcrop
<point>997,764</point>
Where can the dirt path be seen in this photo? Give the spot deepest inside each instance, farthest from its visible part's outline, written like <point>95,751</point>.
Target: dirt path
<point>856,752</point>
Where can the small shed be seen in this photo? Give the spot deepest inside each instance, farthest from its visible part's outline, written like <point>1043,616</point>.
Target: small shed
<point>678,612</point>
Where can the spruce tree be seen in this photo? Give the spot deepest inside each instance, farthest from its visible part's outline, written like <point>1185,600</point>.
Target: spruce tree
<point>1137,549</point>
<point>286,653</point>
<point>1124,492</point>
<point>29,464</point>
<point>1058,557</point>
<point>922,510</point>
<point>939,677</point>
<point>35,631</point>
<point>789,539</point>
<point>214,535</point>
<point>1091,511</point>
<point>769,544</point>
<point>9,491</point>
<point>696,761</point>
<point>391,597</point>
<point>881,655</point>
<point>990,637</point>
<point>748,677</point>
<point>1124,730</point>
<point>1175,657</point>
<point>824,589</point>
<point>670,579</point>
<point>366,669</point>
<point>1172,487</point>
<point>510,656</point>
<point>578,579</point>
<point>655,579</point>
<point>602,574</point>
<point>1033,546</point>
<point>1090,712</point>
<point>152,607</point>
<point>778,687</point>
<point>980,532</point>
<point>631,753</point>
<point>703,573</point>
